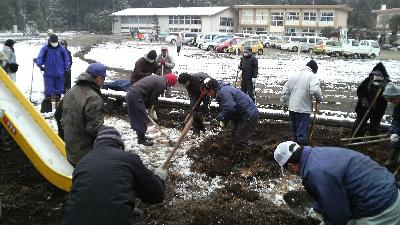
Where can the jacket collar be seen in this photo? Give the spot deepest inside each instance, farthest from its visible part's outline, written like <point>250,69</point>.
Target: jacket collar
<point>304,158</point>
<point>86,79</point>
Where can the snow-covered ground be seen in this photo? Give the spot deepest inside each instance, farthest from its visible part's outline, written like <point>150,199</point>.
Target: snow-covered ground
<point>273,72</point>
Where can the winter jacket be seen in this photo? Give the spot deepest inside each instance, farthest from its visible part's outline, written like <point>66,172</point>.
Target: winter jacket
<point>168,66</point>
<point>368,91</point>
<point>69,57</point>
<point>118,85</point>
<point>395,126</point>
<point>142,69</point>
<point>150,88</point>
<point>11,61</point>
<point>234,104</point>
<point>346,184</point>
<point>249,67</point>
<point>105,184</point>
<point>178,42</point>
<point>299,90</point>
<point>83,117</point>
<point>55,60</point>
<point>196,81</point>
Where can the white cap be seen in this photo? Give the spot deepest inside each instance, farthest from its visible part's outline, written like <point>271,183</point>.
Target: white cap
<point>284,151</point>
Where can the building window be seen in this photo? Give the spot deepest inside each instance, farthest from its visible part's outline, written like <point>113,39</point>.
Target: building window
<point>292,16</point>
<point>261,17</point>
<point>226,31</point>
<point>326,16</point>
<point>261,30</point>
<point>195,30</point>
<point>225,21</point>
<point>291,32</point>
<point>173,20</point>
<point>247,30</point>
<point>196,20</point>
<point>310,16</point>
<point>247,17</point>
<point>277,18</point>
<point>308,32</point>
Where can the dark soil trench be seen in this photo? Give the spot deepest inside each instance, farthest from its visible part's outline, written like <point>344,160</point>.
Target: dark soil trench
<point>27,198</point>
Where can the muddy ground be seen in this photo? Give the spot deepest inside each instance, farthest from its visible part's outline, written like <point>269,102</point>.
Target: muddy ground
<point>27,198</point>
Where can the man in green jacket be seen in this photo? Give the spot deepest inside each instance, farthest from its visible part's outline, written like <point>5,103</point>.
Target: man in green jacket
<point>83,112</point>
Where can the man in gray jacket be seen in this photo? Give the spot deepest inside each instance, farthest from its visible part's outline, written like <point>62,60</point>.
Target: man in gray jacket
<point>297,97</point>
<point>83,112</point>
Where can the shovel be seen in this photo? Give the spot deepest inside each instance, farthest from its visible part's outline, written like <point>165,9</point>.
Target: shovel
<point>313,122</point>
<point>170,141</point>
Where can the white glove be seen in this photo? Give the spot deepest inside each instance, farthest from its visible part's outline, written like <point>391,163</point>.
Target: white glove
<point>161,173</point>
<point>153,114</point>
<point>254,80</point>
<point>394,138</point>
<point>221,124</point>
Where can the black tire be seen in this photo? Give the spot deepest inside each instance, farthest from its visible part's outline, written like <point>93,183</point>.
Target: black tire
<point>199,46</point>
<point>356,56</point>
<point>295,49</point>
<point>260,51</point>
<point>373,56</point>
<point>310,50</point>
<point>210,48</point>
<point>337,54</point>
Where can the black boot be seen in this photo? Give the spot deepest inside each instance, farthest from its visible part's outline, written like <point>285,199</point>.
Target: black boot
<point>46,105</point>
<point>142,140</point>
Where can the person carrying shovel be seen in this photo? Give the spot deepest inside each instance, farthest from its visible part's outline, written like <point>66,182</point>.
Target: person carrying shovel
<point>392,95</point>
<point>347,186</point>
<point>143,95</point>
<point>371,104</point>
<point>297,97</point>
<point>165,64</point>
<point>235,106</point>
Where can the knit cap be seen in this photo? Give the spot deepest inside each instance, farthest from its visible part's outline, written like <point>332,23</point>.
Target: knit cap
<point>109,133</point>
<point>391,91</point>
<point>171,79</point>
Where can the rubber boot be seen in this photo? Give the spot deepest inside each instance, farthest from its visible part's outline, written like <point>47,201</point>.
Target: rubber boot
<point>46,105</point>
<point>57,98</point>
<point>142,140</point>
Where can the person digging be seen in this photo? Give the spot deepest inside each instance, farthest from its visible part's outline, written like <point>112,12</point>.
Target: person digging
<point>392,95</point>
<point>194,84</point>
<point>347,186</point>
<point>140,98</point>
<point>235,106</point>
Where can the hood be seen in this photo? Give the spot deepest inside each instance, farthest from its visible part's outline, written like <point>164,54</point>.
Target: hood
<point>222,84</point>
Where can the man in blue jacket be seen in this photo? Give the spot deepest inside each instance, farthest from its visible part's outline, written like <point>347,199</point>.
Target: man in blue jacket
<point>392,95</point>
<point>348,187</point>
<point>53,59</point>
<point>235,106</point>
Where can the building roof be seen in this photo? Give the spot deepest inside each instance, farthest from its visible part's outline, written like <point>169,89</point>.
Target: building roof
<point>342,7</point>
<point>393,10</point>
<point>172,11</point>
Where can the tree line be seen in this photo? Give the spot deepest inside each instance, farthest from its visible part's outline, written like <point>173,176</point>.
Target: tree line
<point>93,15</point>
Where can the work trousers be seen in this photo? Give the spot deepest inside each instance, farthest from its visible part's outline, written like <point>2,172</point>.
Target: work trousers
<point>299,126</point>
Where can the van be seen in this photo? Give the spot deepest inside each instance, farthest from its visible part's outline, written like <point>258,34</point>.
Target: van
<point>206,38</point>
<point>363,49</point>
<point>188,38</point>
<point>291,43</point>
<point>309,43</point>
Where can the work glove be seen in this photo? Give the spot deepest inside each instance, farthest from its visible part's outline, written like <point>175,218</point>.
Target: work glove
<point>13,67</point>
<point>163,62</point>
<point>161,173</point>
<point>41,68</point>
<point>394,138</point>
<point>254,80</point>
<point>153,114</point>
<point>364,102</point>
<point>216,122</point>
<point>285,108</point>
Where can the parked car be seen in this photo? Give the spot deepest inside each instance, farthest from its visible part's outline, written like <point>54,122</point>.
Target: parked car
<point>334,48</point>
<point>256,47</point>
<point>206,38</point>
<point>309,43</point>
<point>199,37</point>
<point>171,37</point>
<point>188,38</point>
<point>291,43</point>
<point>242,35</point>
<point>268,41</point>
<point>364,49</point>
<point>320,47</point>
<point>208,46</point>
<point>227,36</point>
<point>223,47</point>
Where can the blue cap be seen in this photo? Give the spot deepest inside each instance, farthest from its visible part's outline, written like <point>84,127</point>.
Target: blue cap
<point>96,70</point>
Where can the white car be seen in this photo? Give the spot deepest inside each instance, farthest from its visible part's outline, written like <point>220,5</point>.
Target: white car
<point>208,46</point>
<point>363,49</point>
<point>291,43</point>
<point>171,37</point>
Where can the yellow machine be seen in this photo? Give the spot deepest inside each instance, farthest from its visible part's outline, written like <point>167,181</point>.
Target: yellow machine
<point>33,134</point>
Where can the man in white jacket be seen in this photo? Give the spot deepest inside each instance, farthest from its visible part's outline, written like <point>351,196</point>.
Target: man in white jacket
<point>297,97</point>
